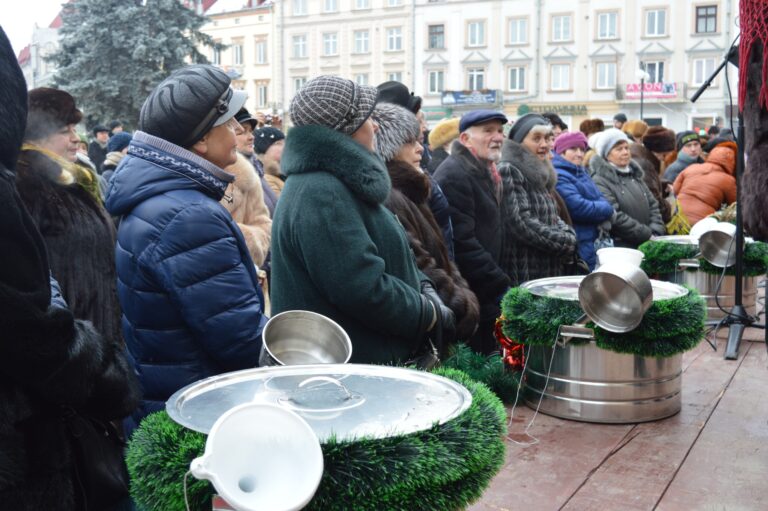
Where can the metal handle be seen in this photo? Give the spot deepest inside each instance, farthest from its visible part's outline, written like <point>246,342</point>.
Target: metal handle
<point>327,379</point>
<point>567,332</point>
<point>689,263</point>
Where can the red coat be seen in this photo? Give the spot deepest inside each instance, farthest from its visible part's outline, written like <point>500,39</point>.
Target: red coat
<point>703,188</point>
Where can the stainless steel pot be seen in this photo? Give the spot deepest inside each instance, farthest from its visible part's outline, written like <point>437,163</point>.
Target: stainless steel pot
<point>304,337</point>
<point>718,245</point>
<point>616,296</point>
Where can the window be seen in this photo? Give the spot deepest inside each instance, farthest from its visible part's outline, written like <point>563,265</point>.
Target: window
<point>606,25</point>
<point>262,89</point>
<point>436,37</point>
<point>706,19</point>
<point>361,41</point>
<point>362,4</point>
<point>361,78</point>
<point>560,77</point>
<point>561,28</point>
<point>655,71</point>
<point>329,44</point>
<point>655,23</point>
<point>299,7</point>
<point>394,39</point>
<point>298,83</point>
<point>261,52</point>
<point>394,3</point>
<point>702,69</point>
<point>300,46</point>
<point>606,75</point>
<point>476,33</point>
<point>396,76</point>
<point>330,5</point>
<point>216,55</point>
<point>435,85</point>
<point>518,31</point>
<point>476,78</point>
<point>516,79</point>
<point>237,54</point>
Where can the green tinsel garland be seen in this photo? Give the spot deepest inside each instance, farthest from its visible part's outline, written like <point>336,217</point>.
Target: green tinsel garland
<point>668,327</point>
<point>445,467</point>
<point>663,256</point>
<point>485,369</point>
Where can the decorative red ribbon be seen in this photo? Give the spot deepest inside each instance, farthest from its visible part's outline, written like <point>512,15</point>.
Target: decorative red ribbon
<point>513,352</point>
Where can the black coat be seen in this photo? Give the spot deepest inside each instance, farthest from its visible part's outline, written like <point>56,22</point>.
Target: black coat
<point>97,154</point>
<point>475,214</point>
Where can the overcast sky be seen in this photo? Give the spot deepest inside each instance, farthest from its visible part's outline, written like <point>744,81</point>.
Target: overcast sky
<point>18,17</point>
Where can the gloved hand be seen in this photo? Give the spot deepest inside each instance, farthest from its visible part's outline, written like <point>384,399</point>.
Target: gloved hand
<point>445,328</point>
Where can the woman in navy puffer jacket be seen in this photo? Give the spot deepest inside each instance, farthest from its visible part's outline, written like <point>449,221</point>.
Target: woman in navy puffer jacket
<point>586,205</point>
<point>192,306</point>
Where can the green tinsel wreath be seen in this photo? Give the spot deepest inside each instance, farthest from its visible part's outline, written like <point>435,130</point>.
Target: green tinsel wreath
<point>668,327</point>
<point>485,369</point>
<point>445,467</point>
<point>663,256</point>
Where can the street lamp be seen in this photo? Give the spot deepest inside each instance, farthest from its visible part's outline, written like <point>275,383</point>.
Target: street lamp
<point>642,75</point>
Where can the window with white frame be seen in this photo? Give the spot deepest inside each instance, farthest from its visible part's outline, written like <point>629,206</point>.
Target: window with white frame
<point>706,19</point>
<point>330,5</point>
<point>361,41</point>
<point>237,54</point>
<point>436,37</point>
<point>560,77</point>
<point>298,82</point>
<point>300,46</point>
<point>361,78</point>
<point>435,85</point>
<point>702,69</point>
<point>396,76</point>
<point>330,44</point>
<point>518,31</point>
<point>394,3</point>
<point>607,25</point>
<point>262,91</point>
<point>216,59</point>
<point>299,7</point>
<point>561,28</point>
<point>655,70</point>
<point>516,79</point>
<point>394,39</point>
<point>655,22</point>
<point>261,51</point>
<point>362,4</point>
<point>476,78</point>
<point>476,33</point>
<point>606,75</point>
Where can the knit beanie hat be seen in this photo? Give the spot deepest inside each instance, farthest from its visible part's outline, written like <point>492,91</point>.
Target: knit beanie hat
<point>592,140</point>
<point>264,137</point>
<point>444,131</point>
<point>397,127</point>
<point>119,141</point>
<point>608,140</point>
<point>635,127</point>
<point>568,140</point>
<point>591,126</point>
<point>333,102</point>
<point>189,103</point>
<point>49,111</point>
<point>659,139</point>
<point>524,124</point>
<point>686,136</point>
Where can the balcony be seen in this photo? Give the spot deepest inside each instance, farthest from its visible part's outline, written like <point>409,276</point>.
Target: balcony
<point>660,92</point>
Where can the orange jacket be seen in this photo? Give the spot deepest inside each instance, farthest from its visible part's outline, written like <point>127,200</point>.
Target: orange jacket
<point>703,187</point>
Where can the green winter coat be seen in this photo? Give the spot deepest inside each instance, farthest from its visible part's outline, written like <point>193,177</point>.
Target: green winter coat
<point>337,251</point>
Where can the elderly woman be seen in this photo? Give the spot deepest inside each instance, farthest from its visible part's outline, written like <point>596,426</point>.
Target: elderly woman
<point>537,241</point>
<point>586,205</point>
<point>621,182</point>
<point>397,141</point>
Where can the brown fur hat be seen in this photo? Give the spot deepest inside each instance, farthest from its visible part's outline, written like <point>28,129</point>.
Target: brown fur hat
<point>50,110</point>
<point>659,139</point>
<point>590,126</point>
<point>635,128</point>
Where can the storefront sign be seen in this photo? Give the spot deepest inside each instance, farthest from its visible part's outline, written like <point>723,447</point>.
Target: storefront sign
<point>658,90</point>
<point>436,113</point>
<point>557,109</point>
<point>475,97</point>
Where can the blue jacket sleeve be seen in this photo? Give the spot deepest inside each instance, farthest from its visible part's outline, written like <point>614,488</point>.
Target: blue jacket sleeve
<point>582,209</point>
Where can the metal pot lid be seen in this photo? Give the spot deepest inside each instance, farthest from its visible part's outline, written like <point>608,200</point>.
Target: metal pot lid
<point>567,288</point>
<point>678,239</point>
<point>345,400</point>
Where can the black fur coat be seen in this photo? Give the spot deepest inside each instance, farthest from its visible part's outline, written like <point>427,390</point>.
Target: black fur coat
<point>409,200</point>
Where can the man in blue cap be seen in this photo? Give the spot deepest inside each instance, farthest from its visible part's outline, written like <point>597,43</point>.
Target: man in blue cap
<point>472,185</point>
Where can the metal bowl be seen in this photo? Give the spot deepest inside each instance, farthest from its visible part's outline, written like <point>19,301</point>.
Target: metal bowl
<point>616,296</point>
<point>718,245</point>
<point>304,337</point>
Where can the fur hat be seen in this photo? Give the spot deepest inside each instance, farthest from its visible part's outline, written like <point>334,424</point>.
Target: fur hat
<point>591,126</point>
<point>636,128</point>
<point>49,111</point>
<point>397,93</point>
<point>334,102</point>
<point>13,104</point>
<point>397,127</point>
<point>555,120</point>
<point>264,137</point>
<point>119,141</point>
<point>444,131</point>
<point>659,139</point>
<point>608,140</point>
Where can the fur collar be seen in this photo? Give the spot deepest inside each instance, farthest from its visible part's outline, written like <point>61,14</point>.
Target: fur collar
<point>320,149</point>
<point>599,166</point>
<point>411,182</point>
<point>245,175</point>
<point>468,160</point>
<point>539,173</point>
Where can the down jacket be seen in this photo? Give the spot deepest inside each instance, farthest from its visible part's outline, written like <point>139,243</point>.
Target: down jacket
<point>703,187</point>
<point>536,240</point>
<point>192,306</point>
<point>637,212</point>
<point>586,205</point>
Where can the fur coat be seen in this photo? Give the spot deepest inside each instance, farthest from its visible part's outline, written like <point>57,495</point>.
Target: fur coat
<point>246,204</point>
<point>754,186</point>
<point>652,177</point>
<point>273,177</point>
<point>409,200</point>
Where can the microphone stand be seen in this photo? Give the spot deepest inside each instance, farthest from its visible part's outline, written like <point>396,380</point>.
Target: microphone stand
<point>737,319</point>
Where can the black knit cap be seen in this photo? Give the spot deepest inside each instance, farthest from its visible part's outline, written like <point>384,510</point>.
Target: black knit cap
<point>264,137</point>
<point>684,137</point>
<point>189,103</point>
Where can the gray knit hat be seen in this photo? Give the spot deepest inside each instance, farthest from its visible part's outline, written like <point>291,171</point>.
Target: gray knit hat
<point>333,102</point>
<point>608,139</point>
<point>397,127</point>
<point>524,124</point>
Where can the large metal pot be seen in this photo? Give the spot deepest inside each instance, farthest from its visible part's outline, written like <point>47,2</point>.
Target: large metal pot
<point>304,337</point>
<point>616,296</point>
<point>718,245</point>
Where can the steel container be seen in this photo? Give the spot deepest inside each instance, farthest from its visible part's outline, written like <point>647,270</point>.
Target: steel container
<point>304,337</point>
<point>706,285</point>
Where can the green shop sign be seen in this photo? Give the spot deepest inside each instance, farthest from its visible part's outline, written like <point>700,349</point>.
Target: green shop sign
<point>558,109</point>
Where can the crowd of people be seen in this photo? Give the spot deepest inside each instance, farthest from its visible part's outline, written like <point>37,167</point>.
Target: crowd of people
<point>149,260</point>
